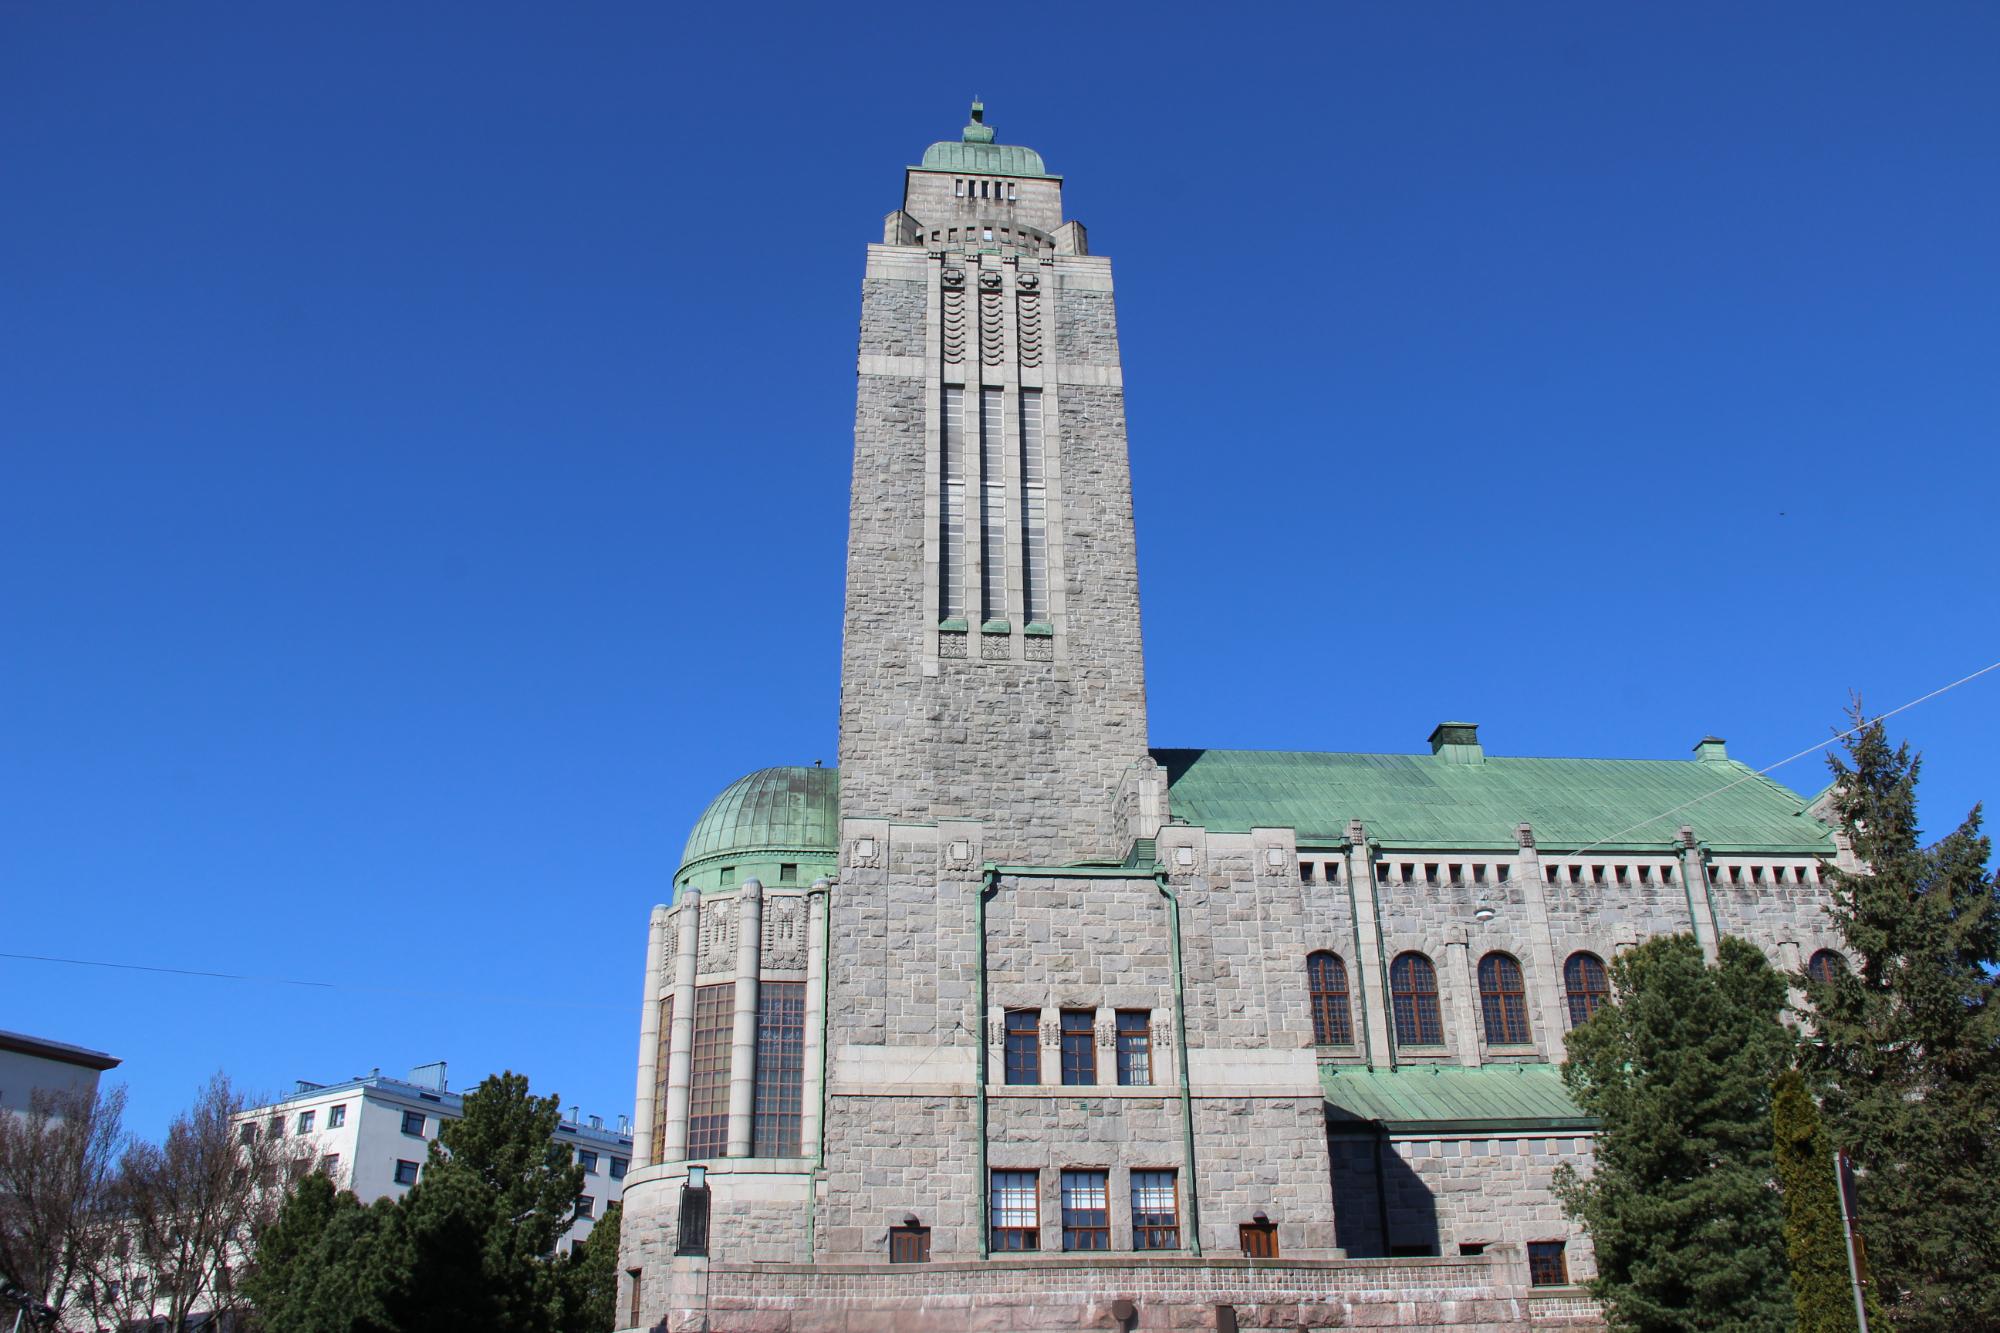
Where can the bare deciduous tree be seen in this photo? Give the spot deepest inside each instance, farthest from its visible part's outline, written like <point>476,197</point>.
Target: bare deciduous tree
<point>58,1187</point>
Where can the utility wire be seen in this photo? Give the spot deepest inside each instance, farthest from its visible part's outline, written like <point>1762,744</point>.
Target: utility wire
<point>1770,768</point>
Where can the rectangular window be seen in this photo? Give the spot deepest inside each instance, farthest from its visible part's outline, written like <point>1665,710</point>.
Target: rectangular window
<point>305,1123</point>
<point>1135,1048</point>
<point>276,1129</point>
<point>781,1069</point>
<point>413,1123</point>
<point>1155,1211</point>
<point>589,1161</point>
<point>660,1079</point>
<point>1546,1265</point>
<point>951,508</point>
<point>1086,1210</point>
<point>1305,872</point>
<point>1259,1239</point>
<point>1079,1047</point>
<point>638,1283</point>
<point>1034,511</point>
<point>246,1132</point>
<point>708,1082</point>
<point>1014,1210</point>
<point>618,1165</point>
<point>1024,1046</point>
<point>586,1206</point>
<point>329,1165</point>
<point>788,872</point>
<point>406,1173</point>
<point>336,1116</point>
<point>909,1245</point>
<point>992,507</point>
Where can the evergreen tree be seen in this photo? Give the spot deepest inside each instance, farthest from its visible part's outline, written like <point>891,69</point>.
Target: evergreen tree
<point>589,1279</point>
<point>328,1264</point>
<point>1814,1243</point>
<point>1910,1044</point>
<point>1679,1205</point>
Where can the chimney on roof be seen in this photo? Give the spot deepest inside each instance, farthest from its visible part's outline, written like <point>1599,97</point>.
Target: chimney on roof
<point>1710,750</point>
<point>1457,743</point>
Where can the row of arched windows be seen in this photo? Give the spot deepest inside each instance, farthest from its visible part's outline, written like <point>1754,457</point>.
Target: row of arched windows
<point>1503,996</point>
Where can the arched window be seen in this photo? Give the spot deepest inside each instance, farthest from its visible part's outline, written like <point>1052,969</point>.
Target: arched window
<point>1326,981</point>
<point>1585,986</point>
<point>1503,999</point>
<point>1826,967</point>
<point>1413,994</point>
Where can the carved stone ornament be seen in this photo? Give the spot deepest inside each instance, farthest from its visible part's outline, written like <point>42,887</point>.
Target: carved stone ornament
<point>784,943</point>
<point>954,277</point>
<point>1028,281</point>
<point>990,281</point>
<point>718,939</point>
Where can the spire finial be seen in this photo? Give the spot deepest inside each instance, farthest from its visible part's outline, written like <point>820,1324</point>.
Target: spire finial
<point>978,110</point>
<point>978,131</point>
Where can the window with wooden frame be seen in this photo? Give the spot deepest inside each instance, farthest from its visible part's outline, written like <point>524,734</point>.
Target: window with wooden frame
<point>1086,1210</point>
<point>1079,1047</point>
<point>1014,1211</point>
<point>637,1279</point>
<point>1826,967</point>
<point>1156,1222</point>
<point>909,1245</point>
<point>1135,1048</point>
<point>1258,1239</point>
<point>660,1078</point>
<point>1023,1049</point>
<point>1585,986</point>
<point>1503,1000</point>
<point>1547,1264</point>
<point>708,1082</point>
<point>781,1069</point>
<point>1326,984</point>
<point>1413,999</point>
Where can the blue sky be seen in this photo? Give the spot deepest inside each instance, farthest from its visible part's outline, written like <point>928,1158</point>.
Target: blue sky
<point>427,427</point>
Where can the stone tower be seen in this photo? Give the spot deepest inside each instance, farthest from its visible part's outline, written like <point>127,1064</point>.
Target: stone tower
<point>991,665</point>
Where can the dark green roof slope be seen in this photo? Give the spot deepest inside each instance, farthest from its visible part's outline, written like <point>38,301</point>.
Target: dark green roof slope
<point>773,817</point>
<point>1424,1099</point>
<point>1429,800</point>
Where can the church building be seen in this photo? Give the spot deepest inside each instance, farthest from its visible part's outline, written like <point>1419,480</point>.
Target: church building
<point>1011,1021</point>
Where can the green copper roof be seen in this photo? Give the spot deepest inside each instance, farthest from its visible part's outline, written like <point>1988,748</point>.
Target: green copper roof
<point>975,153</point>
<point>790,810</point>
<point>1455,800</point>
<point>1451,1098</point>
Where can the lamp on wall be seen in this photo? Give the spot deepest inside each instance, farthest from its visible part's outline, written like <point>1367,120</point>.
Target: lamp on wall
<point>697,1177</point>
<point>1482,914</point>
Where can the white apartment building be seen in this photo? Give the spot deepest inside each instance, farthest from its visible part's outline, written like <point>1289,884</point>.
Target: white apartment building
<point>375,1134</point>
<point>35,1064</point>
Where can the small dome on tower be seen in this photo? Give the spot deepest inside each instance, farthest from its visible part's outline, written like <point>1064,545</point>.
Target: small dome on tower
<point>975,153</point>
<point>778,825</point>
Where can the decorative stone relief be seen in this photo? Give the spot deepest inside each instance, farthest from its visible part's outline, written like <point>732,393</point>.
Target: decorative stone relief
<point>784,944</point>
<point>951,643</point>
<point>718,938</point>
<point>1028,318</point>
<point>992,336</point>
<point>1040,648</point>
<point>994,648</point>
<point>954,316</point>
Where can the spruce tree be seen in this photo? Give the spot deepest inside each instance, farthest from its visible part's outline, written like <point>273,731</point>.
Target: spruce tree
<point>589,1279</point>
<point>1814,1243</point>
<point>1909,1042</point>
<point>1679,1206</point>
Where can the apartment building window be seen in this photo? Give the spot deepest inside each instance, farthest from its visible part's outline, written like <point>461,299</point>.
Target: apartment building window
<point>1258,1239</point>
<point>336,1115</point>
<point>413,1123</point>
<point>663,1066</point>
<point>1413,997</point>
<point>588,1161</point>
<point>708,1082</point>
<point>992,506</point>
<point>781,1069</point>
<point>1023,1046</point>
<point>304,1124</point>
<point>618,1164</point>
<point>1135,1048</point>
<point>406,1173</point>
<point>1547,1264</point>
<point>1086,1210</point>
<point>951,507</point>
<point>1155,1211</point>
<point>329,1166</point>
<point>1326,985</point>
<point>909,1245</point>
<point>246,1132</point>
<point>1584,986</point>
<point>276,1129</point>
<point>1015,1211</point>
<point>586,1206</point>
<point>1503,1000</point>
<point>1034,510</point>
<point>1079,1047</point>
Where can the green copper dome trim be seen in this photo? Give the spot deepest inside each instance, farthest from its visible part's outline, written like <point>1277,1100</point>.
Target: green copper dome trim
<point>762,822</point>
<point>975,154</point>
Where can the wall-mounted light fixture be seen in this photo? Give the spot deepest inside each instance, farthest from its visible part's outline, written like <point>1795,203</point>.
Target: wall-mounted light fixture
<point>1482,914</point>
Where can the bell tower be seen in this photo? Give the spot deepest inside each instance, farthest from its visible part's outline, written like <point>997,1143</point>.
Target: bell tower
<point>991,663</point>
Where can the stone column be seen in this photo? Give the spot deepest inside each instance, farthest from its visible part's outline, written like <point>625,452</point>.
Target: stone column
<point>645,1114</point>
<point>1694,878</point>
<point>1464,1010</point>
<point>1370,986</point>
<point>816,909</point>
<point>680,1056</point>
<point>1545,969</point>
<point>743,1041</point>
